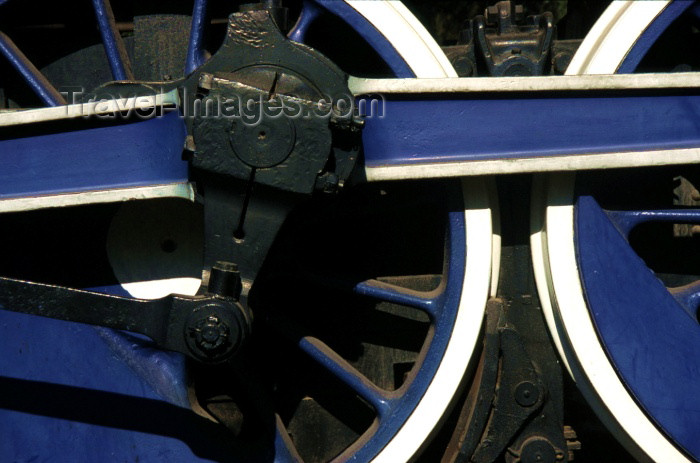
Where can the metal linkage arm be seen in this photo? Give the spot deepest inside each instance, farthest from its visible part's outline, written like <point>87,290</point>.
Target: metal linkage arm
<point>208,328</point>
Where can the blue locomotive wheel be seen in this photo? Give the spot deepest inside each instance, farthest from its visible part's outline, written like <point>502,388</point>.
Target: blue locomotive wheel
<point>75,393</point>
<point>625,325</point>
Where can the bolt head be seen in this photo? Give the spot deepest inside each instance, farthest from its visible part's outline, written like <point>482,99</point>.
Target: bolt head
<point>210,333</point>
<point>527,394</point>
<point>215,331</point>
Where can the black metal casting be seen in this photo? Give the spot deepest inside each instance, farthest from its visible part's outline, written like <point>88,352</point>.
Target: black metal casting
<point>249,173</point>
<point>273,123</point>
<point>208,328</point>
<point>511,47</point>
<point>514,409</point>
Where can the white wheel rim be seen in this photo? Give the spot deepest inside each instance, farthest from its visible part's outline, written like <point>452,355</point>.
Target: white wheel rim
<point>407,35</point>
<point>613,36</point>
<point>467,327</point>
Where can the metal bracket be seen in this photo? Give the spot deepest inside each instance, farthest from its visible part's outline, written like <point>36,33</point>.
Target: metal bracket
<point>512,49</point>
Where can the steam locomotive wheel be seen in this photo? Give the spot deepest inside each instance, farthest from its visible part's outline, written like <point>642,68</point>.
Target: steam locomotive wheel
<point>355,359</point>
<point>607,259</point>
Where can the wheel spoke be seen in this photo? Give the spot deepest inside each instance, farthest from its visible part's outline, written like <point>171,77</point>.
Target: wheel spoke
<point>36,80</point>
<point>195,52</point>
<point>112,41</point>
<point>376,39</point>
<point>688,296</point>
<point>342,370</point>
<point>309,12</point>
<point>645,330</point>
<point>625,221</point>
<point>396,294</point>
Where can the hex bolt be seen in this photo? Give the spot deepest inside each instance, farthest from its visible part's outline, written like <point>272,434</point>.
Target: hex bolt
<point>527,394</point>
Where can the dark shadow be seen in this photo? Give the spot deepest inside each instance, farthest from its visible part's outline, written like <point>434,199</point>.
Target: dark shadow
<point>205,438</point>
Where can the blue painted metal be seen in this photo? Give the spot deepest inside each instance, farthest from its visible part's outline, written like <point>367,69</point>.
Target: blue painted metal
<point>79,404</point>
<point>647,334</point>
<point>284,450</point>
<point>396,295</point>
<point>110,40</point>
<point>67,395</point>
<point>377,398</point>
<point>163,371</point>
<point>158,143</point>
<point>442,308</point>
<point>627,220</point>
<point>35,79</point>
<point>413,131</point>
<point>196,54</point>
<point>146,152</point>
<point>457,130</point>
<point>309,13</point>
<point>373,37</point>
<point>124,155</point>
<point>650,36</point>
<point>445,313</point>
<point>650,332</point>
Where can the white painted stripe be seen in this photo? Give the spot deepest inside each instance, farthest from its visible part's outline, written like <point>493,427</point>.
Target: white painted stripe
<point>363,86</point>
<point>533,165</point>
<point>31,203</point>
<point>85,110</point>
